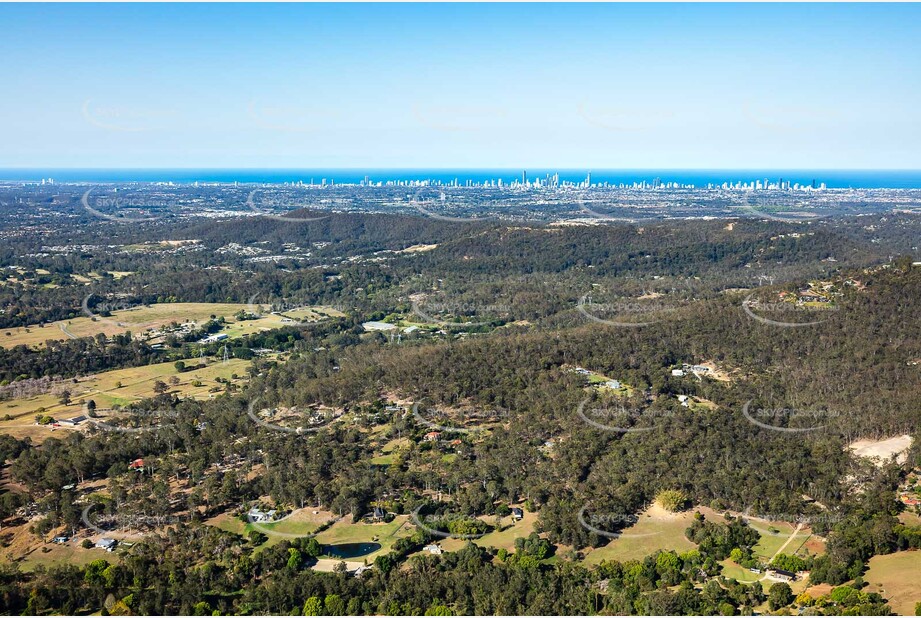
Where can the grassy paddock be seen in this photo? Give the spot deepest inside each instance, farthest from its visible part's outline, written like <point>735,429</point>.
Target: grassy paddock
<point>344,531</point>
<point>136,320</point>
<point>136,383</point>
<point>772,541</point>
<point>656,530</point>
<point>143,318</point>
<point>895,576</point>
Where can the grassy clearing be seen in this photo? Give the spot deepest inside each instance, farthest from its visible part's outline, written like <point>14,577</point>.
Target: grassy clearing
<point>153,317</point>
<point>598,380</point>
<point>733,571</point>
<point>395,444</point>
<point>227,523</point>
<point>305,521</point>
<point>771,541</point>
<point>699,404</point>
<point>136,383</point>
<point>30,551</point>
<point>895,576</point>
<point>740,574</point>
<point>814,545</point>
<point>136,320</point>
<point>656,530</point>
<point>344,531</point>
<point>95,276</point>
<point>270,321</point>
<point>505,539</point>
<point>389,452</point>
<point>300,523</point>
<point>68,553</point>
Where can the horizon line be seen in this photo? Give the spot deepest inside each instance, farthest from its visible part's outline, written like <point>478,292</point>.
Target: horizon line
<point>519,168</point>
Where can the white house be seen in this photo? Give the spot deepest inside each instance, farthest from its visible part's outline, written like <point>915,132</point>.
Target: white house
<point>106,544</point>
<point>372,326</point>
<point>259,516</point>
<point>214,338</point>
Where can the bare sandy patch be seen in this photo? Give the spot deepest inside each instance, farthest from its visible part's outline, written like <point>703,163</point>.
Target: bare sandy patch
<point>881,451</point>
<point>657,512</point>
<point>418,248</point>
<point>716,372</point>
<point>328,565</point>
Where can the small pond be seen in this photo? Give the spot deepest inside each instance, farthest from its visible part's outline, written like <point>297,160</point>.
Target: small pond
<point>350,550</point>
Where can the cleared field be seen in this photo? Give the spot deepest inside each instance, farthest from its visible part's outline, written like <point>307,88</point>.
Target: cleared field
<point>30,551</point>
<point>299,523</point>
<point>272,321</point>
<point>740,574</point>
<point>136,320</point>
<point>153,317</point>
<point>136,383</point>
<point>657,529</point>
<point>344,531</point>
<point>505,539</point>
<point>819,590</point>
<point>598,380</point>
<point>395,444</point>
<point>227,523</point>
<point>895,576</point>
<point>304,522</point>
<point>94,276</point>
<point>814,545</point>
<point>500,539</point>
<point>772,541</point>
<point>389,451</point>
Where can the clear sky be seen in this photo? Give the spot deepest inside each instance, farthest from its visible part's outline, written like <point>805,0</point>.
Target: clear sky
<point>450,85</point>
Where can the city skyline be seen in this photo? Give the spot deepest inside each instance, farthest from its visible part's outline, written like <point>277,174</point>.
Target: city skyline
<point>547,180</point>
<point>624,86</point>
<point>787,179</point>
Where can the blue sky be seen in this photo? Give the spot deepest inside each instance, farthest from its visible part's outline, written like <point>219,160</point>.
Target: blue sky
<point>452,85</point>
